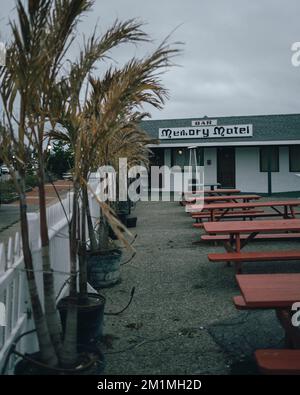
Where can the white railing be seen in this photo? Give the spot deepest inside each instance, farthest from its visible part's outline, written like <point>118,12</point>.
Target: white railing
<point>4,177</point>
<point>14,294</point>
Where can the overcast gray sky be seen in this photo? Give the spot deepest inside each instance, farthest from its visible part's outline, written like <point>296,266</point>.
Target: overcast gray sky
<point>236,58</point>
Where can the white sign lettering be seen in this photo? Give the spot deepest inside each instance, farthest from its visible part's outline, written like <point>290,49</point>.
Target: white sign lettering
<point>296,315</point>
<point>205,122</point>
<point>2,314</point>
<point>2,54</point>
<point>296,55</point>
<point>207,132</point>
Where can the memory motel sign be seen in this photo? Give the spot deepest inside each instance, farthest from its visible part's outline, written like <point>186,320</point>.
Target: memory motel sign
<point>206,132</point>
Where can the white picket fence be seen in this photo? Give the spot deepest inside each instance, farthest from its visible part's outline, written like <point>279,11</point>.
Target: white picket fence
<point>13,285</point>
<point>4,177</point>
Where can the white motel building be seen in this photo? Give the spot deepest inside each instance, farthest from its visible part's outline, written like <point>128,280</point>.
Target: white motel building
<point>252,153</point>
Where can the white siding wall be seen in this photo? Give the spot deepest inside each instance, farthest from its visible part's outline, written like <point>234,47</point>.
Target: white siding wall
<point>210,171</point>
<point>248,176</point>
<point>250,179</point>
<point>284,180</point>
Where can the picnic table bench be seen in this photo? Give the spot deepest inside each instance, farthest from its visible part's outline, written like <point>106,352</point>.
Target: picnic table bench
<point>230,214</point>
<point>187,197</point>
<point>234,243</point>
<point>244,215</point>
<point>258,237</point>
<point>230,198</point>
<point>226,198</point>
<point>278,292</point>
<point>254,256</point>
<point>278,362</point>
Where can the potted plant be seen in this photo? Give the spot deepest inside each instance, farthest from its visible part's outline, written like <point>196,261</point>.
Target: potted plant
<point>125,139</point>
<point>79,127</point>
<point>34,61</point>
<point>109,118</point>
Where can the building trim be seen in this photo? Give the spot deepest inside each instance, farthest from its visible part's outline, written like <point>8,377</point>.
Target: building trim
<point>225,143</point>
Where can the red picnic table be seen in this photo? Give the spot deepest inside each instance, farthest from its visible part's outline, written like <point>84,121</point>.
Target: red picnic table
<point>278,292</point>
<point>221,198</point>
<point>249,230</point>
<point>269,291</point>
<point>272,291</point>
<point>222,209</point>
<point>189,197</point>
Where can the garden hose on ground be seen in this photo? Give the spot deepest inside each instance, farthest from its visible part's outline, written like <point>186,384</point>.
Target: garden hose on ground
<point>126,307</point>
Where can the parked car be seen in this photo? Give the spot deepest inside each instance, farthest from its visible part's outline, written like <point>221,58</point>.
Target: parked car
<point>67,176</point>
<point>4,170</point>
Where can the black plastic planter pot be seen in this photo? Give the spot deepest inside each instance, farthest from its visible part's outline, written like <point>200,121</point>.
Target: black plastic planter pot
<point>112,234</point>
<point>104,268</point>
<point>124,207</point>
<point>90,362</point>
<point>90,317</point>
<point>122,215</point>
<point>131,222</point>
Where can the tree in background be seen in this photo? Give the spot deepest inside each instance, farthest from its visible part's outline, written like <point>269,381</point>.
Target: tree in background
<point>61,159</point>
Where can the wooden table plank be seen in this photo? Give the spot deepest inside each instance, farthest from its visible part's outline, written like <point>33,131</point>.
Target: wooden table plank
<point>235,227</point>
<point>228,198</point>
<point>283,208</point>
<point>270,290</point>
<point>222,198</point>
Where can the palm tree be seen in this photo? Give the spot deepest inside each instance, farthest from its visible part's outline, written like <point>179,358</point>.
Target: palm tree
<point>48,94</point>
<point>19,78</point>
<point>91,127</point>
<point>34,60</point>
<point>65,111</point>
<point>131,143</point>
<point>105,114</point>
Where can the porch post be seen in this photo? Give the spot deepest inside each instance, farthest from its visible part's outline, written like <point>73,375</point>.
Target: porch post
<point>269,171</point>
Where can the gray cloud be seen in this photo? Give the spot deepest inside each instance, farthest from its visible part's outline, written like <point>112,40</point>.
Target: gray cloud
<point>236,59</point>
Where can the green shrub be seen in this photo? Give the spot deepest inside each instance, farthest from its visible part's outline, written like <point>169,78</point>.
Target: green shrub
<point>31,181</point>
<point>7,187</point>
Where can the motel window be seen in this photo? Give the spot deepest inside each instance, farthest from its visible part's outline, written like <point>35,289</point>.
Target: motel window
<point>180,157</point>
<point>266,154</point>
<point>295,158</point>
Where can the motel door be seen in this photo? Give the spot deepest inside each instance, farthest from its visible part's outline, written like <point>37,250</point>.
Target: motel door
<point>226,166</point>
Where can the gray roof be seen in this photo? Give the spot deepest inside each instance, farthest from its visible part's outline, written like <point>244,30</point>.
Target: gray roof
<point>265,127</point>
